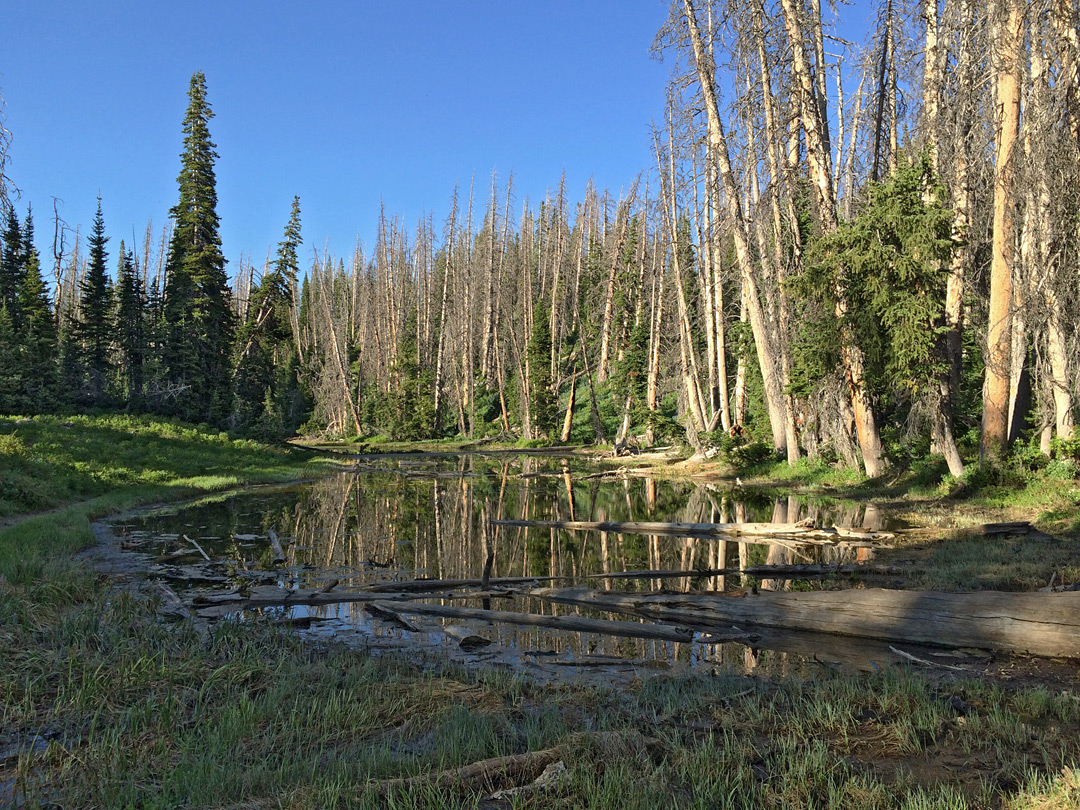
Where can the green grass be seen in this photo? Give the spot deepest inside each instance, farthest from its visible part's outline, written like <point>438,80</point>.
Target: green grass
<point>135,710</point>
<point>49,461</point>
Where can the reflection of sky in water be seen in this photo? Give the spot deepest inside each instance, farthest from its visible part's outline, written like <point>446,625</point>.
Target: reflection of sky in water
<point>400,518</point>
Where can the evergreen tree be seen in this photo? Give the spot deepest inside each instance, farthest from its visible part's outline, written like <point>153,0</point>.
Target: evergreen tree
<point>542,403</point>
<point>198,321</point>
<point>890,260</point>
<point>10,378</point>
<point>131,314</point>
<point>37,338</point>
<point>95,324</point>
<point>265,371</point>
<point>11,264</point>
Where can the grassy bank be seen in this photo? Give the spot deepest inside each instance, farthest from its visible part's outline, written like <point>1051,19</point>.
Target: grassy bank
<point>76,469</point>
<point>103,703</point>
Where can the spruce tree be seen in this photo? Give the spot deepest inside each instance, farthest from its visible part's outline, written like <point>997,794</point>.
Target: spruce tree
<point>542,402</point>
<point>130,328</point>
<point>11,264</point>
<point>198,321</point>
<point>95,326</point>
<point>37,339</point>
<point>10,376</point>
<point>265,372</point>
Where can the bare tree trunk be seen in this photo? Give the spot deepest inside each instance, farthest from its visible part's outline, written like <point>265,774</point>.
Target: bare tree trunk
<point>719,152</point>
<point>449,249</point>
<point>995,425</point>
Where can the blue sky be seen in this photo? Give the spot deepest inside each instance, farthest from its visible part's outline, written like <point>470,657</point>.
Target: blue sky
<point>346,104</point>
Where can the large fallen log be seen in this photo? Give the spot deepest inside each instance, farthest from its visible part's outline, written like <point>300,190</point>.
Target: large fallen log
<point>572,623</point>
<point>761,532</point>
<point>1044,624</point>
<point>794,571</point>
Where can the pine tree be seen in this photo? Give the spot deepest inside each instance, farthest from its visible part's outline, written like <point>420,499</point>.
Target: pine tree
<point>11,264</point>
<point>130,338</point>
<point>37,338</point>
<point>10,378</point>
<point>542,403</point>
<point>198,321</point>
<point>265,340</point>
<point>95,326</point>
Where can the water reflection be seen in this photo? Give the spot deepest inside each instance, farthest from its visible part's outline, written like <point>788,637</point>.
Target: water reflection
<point>408,517</point>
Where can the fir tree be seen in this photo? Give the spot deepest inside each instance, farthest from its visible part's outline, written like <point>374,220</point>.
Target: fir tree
<point>542,403</point>
<point>10,378</point>
<point>264,368</point>
<point>198,321</point>
<point>131,313</point>
<point>95,326</point>
<point>11,264</point>
<point>37,338</point>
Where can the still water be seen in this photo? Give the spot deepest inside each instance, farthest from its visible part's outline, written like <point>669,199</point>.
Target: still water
<point>426,516</point>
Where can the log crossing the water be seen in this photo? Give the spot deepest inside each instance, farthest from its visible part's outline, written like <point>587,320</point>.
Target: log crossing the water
<point>1043,624</point>
<point>761,532</point>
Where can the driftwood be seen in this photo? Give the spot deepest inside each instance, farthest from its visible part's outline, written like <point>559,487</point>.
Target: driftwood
<point>429,585</point>
<point>465,638</point>
<point>215,605</point>
<point>515,769</point>
<point>275,545</point>
<point>761,532</point>
<point>198,548</point>
<point>1045,624</point>
<point>761,571</point>
<point>384,611</point>
<point>659,632</point>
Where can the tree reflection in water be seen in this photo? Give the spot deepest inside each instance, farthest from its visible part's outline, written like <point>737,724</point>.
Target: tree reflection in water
<point>423,516</point>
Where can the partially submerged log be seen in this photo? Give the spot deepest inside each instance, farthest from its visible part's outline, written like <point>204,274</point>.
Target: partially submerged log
<point>275,546</point>
<point>581,624</point>
<point>216,605</point>
<point>761,532</point>
<point>198,548</point>
<point>1044,624</point>
<point>794,571</point>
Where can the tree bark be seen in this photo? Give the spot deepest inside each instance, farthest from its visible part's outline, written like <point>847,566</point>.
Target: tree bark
<point>995,424</point>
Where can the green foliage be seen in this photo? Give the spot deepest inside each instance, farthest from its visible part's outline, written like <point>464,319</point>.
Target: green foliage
<point>198,321</point>
<point>267,389</point>
<point>37,342</point>
<point>889,265</point>
<point>542,402</point>
<point>741,450</point>
<point>11,264</point>
<point>48,461</point>
<point>131,328</point>
<point>95,326</point>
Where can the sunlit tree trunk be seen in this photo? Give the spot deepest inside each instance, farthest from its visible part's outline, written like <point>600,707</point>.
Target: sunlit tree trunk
<point>995,425</point>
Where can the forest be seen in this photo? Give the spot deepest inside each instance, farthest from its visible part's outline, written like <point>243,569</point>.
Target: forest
<point>804,271</point>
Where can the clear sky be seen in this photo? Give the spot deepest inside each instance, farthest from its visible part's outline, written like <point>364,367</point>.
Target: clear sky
<point>348,104</point>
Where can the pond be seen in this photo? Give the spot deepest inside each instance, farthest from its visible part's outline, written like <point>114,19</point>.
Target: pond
<point>396,518</point>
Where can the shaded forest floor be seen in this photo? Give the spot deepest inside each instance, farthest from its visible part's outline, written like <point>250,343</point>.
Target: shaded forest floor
<point>104,702</point>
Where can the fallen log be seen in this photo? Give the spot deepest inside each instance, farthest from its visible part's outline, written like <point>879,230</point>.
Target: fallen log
<point>426,585</point>
<point>516,768</point>
<point>761,532</point>
<point>275,546</point>
<point>211,606</point>
<point>794,571</point>
<point>608,627</point>
<point>198,548</point>
<point>1043,624</point>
